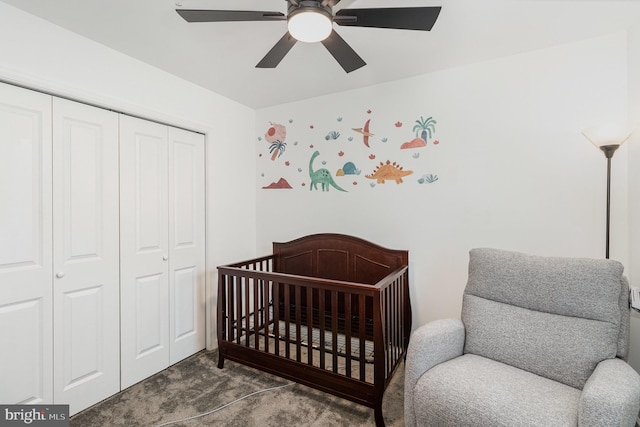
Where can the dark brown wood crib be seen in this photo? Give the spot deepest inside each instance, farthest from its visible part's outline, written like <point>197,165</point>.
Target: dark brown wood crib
<point>329,311</point>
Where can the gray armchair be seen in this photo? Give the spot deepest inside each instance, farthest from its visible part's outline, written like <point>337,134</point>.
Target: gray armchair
<point>542,342</point>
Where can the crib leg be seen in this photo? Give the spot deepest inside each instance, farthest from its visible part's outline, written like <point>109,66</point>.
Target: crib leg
<point>220,360</point>
<point>378,415</point>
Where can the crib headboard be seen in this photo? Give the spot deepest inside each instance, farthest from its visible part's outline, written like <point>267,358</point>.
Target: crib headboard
<point>338,257</point>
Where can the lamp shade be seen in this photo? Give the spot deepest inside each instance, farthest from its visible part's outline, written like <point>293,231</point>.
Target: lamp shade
<point>309,25</point>
<point>608,134</point>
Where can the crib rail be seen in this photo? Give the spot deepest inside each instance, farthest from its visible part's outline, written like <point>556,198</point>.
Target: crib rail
<point>264,318</point>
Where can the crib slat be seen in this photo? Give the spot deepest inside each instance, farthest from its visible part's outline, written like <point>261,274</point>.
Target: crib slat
<point>388,313</point>
<point>238,310</point>
<point>393,348</point>
<point>334,330</point>
<point>397,319</point>
<point>255,310</point>
<point>287,320</point>
<point>347,333</point>
<point>362,335</point>
<point>276,317</point>
<point>386,326</point>
<point>298,321</point>
<point>246,314</point>
<point>393,354</point>
<point>310,293</point>
<point>265,312</point>
<point>388,332</point>
<point>230,310</point>
<point>321,326</point>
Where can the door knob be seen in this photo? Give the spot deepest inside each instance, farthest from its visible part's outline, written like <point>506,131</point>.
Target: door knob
<point>60,274</point>
<point>164,258</point>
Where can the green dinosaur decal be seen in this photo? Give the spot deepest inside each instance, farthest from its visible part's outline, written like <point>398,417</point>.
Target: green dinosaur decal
<point>321,176</point>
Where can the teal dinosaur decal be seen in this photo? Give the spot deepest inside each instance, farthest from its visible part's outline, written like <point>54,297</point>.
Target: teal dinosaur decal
<point>321,176</point>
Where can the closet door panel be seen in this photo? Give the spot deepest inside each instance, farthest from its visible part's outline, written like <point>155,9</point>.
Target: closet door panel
<point>144,249</point>
<point>86,254</point>
<point>25,246</point>
<point>186,243</point>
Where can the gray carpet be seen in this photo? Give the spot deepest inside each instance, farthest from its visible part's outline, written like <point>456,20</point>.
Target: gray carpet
<point>195,386</point>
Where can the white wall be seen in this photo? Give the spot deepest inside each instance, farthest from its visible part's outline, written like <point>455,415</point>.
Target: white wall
<point>633,146</point>
<point>43,56</point>
<point>514,171</point>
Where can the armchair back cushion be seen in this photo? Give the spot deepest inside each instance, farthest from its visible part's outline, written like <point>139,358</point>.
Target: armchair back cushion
<point>554,317</point>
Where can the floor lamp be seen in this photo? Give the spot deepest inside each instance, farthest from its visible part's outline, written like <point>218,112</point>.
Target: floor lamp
<point>608,138</point>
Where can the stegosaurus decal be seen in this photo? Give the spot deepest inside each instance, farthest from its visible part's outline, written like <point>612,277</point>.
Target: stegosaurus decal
<point>388,171</point>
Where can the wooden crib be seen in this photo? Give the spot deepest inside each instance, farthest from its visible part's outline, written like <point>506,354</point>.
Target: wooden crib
<point>329,311</point>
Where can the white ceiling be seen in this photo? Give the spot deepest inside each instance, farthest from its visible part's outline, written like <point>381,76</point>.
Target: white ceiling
<point>222,56</point>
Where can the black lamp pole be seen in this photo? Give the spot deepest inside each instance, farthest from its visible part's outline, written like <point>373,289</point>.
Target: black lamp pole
<point>608,151</point>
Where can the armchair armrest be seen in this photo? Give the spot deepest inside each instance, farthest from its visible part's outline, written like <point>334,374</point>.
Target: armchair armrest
<point>430,344</point>
<point>611,396</point>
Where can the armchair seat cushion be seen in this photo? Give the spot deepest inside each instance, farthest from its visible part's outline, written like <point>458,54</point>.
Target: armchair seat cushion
<point>472,390</point>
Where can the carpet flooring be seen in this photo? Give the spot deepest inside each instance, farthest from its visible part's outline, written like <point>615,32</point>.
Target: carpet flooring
<point>196,386</point>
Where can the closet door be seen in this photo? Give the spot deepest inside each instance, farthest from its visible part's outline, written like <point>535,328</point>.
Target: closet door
<point>186,243</point>
<point>144,254</point>
<point>25,247</point>
<point>85,254</point>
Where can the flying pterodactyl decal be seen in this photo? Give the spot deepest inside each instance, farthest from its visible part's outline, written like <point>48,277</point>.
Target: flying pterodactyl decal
<point>365,132</point>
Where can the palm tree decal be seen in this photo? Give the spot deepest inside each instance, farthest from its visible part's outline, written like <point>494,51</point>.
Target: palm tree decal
<point>276,134</point>
<point>277,148</point>
<point>425,128</point>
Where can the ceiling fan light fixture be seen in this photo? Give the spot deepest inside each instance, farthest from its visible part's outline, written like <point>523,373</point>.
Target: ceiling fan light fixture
<point>309,26</point>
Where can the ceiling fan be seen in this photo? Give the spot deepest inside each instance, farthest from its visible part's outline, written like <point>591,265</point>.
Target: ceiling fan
<point>312,21</point>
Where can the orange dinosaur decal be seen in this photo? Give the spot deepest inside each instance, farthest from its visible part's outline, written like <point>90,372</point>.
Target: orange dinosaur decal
<point>389,171</point>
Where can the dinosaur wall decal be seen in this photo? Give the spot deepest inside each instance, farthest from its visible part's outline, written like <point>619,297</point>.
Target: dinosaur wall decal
<point>365,132</point>
<point>389,171</point>
<point>335,145</point>
<point>321,176</point>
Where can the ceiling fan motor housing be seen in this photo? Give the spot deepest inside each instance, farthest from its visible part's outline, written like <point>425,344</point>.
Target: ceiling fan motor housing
<point>309,6</point>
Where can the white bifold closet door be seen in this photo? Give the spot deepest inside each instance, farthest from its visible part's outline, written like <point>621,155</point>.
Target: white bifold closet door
<point>26,368</point>
<point>86,284</point>
<point>186,243</point>
<point>162,247</point>
<point>144,249</point>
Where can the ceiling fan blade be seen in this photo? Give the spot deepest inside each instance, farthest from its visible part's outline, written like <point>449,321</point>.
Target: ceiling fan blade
<point>193,15</point>
<point>401,18</point>
<point>343,53</point>
<point>277,52</point>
